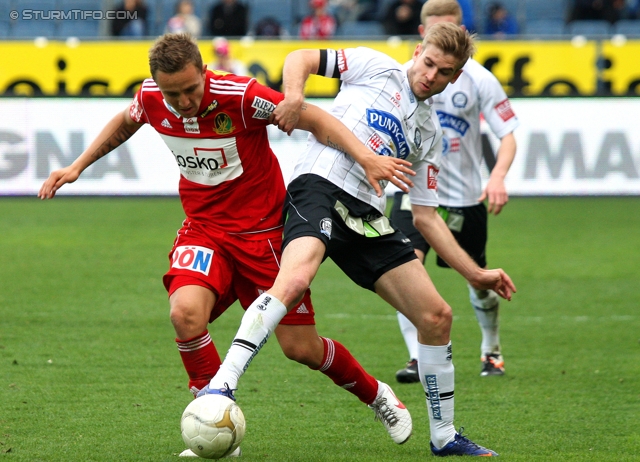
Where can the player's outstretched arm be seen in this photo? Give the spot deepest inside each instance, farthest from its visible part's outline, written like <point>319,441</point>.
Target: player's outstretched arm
<point>117,131</point>
<point>438,235</point>
<point>495,191</point>
<point>330,131</point>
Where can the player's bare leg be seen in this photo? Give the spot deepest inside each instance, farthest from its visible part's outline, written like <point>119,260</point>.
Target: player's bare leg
<point>302,344</point>
<point>191,307</point>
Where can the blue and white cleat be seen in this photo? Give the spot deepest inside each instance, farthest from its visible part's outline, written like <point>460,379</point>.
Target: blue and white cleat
<point>226,391</point>
<point>462,446</point>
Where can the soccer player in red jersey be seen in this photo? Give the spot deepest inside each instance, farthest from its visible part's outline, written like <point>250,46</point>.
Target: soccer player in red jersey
<point>232,192</point>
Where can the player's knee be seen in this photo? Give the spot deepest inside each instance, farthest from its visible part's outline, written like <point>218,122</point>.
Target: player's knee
<point>187,318</point>
<point>303,353</point>
<point>437,319</point>
<point>295,289</point>
<point>483,299</point>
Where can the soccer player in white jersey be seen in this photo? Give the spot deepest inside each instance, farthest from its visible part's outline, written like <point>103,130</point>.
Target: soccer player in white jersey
<point>332,211</point>
<point>460,191</point>
<point>228,247</point>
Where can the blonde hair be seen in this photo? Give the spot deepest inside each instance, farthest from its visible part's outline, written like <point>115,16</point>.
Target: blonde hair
<point>441,8</point>
<point>452,40</point>
<point>173,52</point>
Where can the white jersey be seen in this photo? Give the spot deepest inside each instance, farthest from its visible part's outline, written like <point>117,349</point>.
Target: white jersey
<point>459,107</point>
<point>376,103</point>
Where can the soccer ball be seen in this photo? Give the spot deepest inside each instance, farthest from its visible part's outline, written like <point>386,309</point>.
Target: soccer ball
<point>212,426</point>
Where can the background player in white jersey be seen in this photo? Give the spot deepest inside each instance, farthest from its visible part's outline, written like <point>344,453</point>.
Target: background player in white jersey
<point>459,108</point>
<point>228,248</point>
<point>331,211</point>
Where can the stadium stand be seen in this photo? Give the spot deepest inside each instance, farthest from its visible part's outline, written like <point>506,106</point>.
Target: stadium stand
<point>589,28</point>
<point>370,29</point>
<point>544,28</point>
<point>544,9</point>
<point>627,27</point>
<point>281,9</point>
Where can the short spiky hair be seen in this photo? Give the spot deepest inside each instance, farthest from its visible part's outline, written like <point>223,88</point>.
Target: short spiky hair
<point>452,40</point>
<point>441,8</point>
<point>173,52</point>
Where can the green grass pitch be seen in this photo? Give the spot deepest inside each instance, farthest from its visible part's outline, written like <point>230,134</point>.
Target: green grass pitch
<point>89,370</point>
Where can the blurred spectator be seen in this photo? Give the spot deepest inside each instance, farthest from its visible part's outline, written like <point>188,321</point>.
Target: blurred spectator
<point>468,15</point>
<point>500,22</point>
<point>229,18</point>
<point>402,17</point>
<point>268,27</point>
<point>319,24</point>
<point>222,60</point>
<point>354,10</point>
<point>132,24</point>
<point>609,10</point>
<point>184,20</point>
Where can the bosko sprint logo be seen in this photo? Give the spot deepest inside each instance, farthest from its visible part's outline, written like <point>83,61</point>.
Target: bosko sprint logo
<point>389,124</point>
<point>192,258</point>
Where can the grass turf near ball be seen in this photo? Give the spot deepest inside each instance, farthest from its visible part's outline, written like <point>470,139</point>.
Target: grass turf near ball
<point>212,426</point>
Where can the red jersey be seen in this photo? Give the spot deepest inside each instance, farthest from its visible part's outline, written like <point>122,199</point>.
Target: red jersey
<point>229,176</point>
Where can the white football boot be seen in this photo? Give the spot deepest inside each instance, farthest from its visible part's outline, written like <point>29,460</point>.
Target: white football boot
<point>392,413</point>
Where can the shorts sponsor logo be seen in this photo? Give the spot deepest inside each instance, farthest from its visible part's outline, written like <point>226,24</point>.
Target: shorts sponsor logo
<point>192,258</point>
<point>387,123</point>
<point>222,124</point>
<point>459,100</point>
<point>433,396</point>
<point>504,110</point>
<point>263,108</point>
<point>454,123</point>
<point>342,62</point>
<point>432,177</point>
<point>326,226</point>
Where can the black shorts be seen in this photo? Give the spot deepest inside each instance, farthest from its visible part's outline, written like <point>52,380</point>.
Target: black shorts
<point>358,238</point>
<point>467,224</point>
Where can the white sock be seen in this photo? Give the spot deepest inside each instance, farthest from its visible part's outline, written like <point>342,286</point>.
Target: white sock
<point>486,305</point>
<point>258,322</point>
<point>410,335</point>
<point>437,377</point>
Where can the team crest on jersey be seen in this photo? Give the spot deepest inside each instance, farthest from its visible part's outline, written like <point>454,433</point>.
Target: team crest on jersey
<point>326,226</point>
<point>342,62</point>
<point>135,111</point>
<point>387,123</point>
<point>263,108</point>
<point>222,124</point>
<point>432,177</point>
<point>417,138</point>
<point>192,258</point>
<point>191,125</point>
<point>211,107</point>
<point>459,100</point>
<point>454,123</point>
<point>504,110</point>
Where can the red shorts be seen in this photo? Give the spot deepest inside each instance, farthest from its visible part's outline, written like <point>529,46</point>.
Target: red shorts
<point>234,267</point>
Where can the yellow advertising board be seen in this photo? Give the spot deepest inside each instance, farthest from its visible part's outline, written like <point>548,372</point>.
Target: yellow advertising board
<point>116,68</point>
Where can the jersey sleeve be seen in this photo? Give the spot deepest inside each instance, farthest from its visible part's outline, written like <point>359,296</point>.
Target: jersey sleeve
<point>259,104</point>
<point>136,109</point>
<point>425,182</point>
<point>496,107</point>
<point>353,65</point>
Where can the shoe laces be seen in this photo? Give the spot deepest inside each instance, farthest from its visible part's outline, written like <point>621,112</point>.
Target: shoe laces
<point>228,392</point>
<point>384,412</point>
<point>461,439</point>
